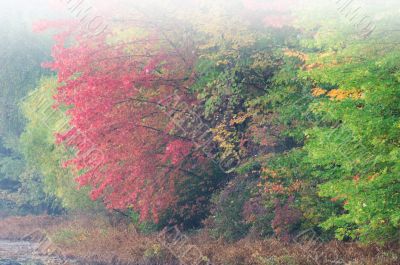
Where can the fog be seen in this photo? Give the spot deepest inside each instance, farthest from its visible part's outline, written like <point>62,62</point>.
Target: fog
<point>302,94</point>
<point>24,12</point>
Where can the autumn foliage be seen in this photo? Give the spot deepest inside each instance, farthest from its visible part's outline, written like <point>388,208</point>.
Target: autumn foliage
<point>118,95</point>
<point>307,111</point>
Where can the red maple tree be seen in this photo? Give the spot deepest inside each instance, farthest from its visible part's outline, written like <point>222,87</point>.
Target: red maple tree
<point>117,87</point>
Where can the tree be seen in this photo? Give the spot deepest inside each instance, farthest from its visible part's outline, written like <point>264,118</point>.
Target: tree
<point>21,54</point>
<point>354,147</point>
<point>249,94</point>
<point>120,90</point>
<point>43,155</point>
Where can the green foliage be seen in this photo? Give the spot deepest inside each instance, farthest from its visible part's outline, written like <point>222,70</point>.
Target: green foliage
<point>331,107</point>
<point>364,168</point>
<point>194,196</point>
<point>354,147</point>
<point>311,114</point>
<point>145,227</point>
<point>21,188</point>
<point>235,72</point>
<point>21,53</point>
<point>227,220</point>
<point>43,154</point>
<point>10,170</point>
<point>237,62</point>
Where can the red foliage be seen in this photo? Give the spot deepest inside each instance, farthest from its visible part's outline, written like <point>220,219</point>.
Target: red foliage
<point>125,145</point>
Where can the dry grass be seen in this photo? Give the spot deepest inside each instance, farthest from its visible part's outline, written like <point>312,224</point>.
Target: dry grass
<point>16,228</point>
<point>273,251</point>
<point>94,239</point>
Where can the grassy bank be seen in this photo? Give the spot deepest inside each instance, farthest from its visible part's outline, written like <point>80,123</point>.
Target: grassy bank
<point>96,241</point>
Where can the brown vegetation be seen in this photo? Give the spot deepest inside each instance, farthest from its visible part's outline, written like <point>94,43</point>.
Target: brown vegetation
<point>95,239</point>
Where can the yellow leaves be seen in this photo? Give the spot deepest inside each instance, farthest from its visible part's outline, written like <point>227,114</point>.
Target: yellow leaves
<point>262,59</point>
<point>316,92</point>
<point>322,60</point>
<point>337,94</point>
<point>81,237</point>
<point>225,140</point>
<point>340,94</point>
<point>221,135</point>
<point>222,62</point>
<point>241,117</point>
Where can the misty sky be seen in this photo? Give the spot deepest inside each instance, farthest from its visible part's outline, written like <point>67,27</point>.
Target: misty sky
<point>15,14</point>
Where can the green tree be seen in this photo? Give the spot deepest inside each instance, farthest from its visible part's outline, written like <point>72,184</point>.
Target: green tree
<point>354,147</point>
<point>43,154</point>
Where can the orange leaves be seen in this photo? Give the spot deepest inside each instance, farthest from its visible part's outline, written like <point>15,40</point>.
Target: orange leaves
<point>316,92</point>
<point>269,173</point>
<point>340,94</point>
<point>335,199</point>
<point>276,188</point>
<point>273,183</point>
<point>337,94</point>
<point>321,60</point>
<point>295,186</point>
<point>272,188</point>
